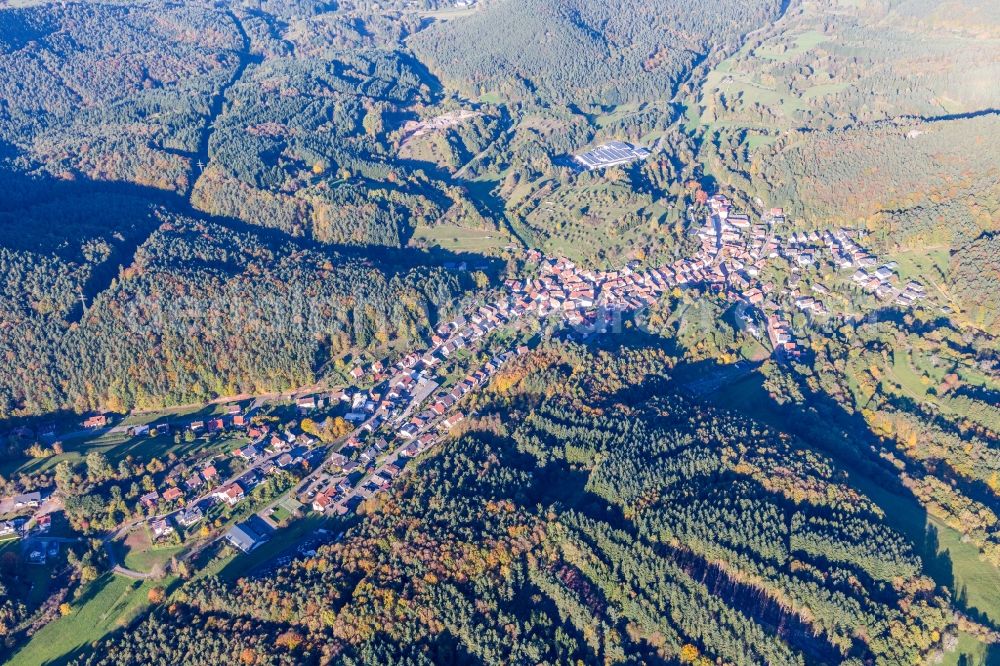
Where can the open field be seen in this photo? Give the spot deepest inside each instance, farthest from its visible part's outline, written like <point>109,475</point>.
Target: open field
<point>970,652</point>
<point>109,603</point>
<point>141,554</point>
<point>459,239</point>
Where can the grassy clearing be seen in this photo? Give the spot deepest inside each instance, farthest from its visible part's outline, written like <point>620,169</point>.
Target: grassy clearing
<point>755,141</point>
<point>280,514</point>
<point>619,113</point>
<point>491,98</point>
<point>824,89</point>
<point>107,604</point>
<point>117,446</point>
<point>142,554</point>
<point>906,377</point>
<point>803,42</point>
<point>924,265</point>
<point>146,560</point>
<point>432,148</point>
<point>459,239</point>
<point>970,652</point>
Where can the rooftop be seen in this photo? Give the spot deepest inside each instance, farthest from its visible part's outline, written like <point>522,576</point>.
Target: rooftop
<point>611,154</point>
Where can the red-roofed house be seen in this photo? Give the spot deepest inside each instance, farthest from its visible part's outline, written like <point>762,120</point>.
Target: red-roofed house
<point>230,494</point>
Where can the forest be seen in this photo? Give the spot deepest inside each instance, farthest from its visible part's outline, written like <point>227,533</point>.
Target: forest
<point>621,51</point>
<point>219,199</point>
<point>199,309</point>
<point>586,514</point>
<point>111,91</point>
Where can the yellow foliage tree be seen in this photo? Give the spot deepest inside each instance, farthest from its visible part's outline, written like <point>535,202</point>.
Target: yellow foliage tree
<point>689,653</point>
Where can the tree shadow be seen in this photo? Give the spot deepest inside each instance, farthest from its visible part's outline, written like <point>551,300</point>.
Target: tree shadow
<point>43,215</point>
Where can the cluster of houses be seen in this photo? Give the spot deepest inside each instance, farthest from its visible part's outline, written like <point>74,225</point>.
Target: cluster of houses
<point>445,401</point>
<point>185,486</point>
<point>234,417</point>
<point>734,251</point>
<point>409,387</point>
<point>331,492</point>
<point>780,334</point>
<point>880,282</point>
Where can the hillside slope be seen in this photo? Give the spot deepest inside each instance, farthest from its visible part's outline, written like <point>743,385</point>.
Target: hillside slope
<point>585,516</point>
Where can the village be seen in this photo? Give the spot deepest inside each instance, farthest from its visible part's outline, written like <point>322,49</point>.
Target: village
<point>295,463</point>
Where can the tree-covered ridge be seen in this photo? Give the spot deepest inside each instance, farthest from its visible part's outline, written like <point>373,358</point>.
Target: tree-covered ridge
<point>303,146</point>
<point>585,515</point>
<point>582,52</point>
<point>308,140</point>
<point>975,272</point>
<point>202,311</point>
<point>112,91</point>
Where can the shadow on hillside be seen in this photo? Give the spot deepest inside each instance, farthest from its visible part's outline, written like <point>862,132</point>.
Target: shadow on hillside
<point>90,231</point>
<point>820,422</point>
<point>51,216</point>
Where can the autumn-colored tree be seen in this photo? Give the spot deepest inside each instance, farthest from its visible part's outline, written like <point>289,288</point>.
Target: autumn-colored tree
<point>248,656</point>
<point>290,639</point>
<point>372,122</point>
<point>65,609</point>
<point>689,653</point>
<point>338,426</point>
<point>310,428</point>
<point>156,595</point>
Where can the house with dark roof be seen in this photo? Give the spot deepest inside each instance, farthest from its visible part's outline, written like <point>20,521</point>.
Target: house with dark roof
<point>189,516</point>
